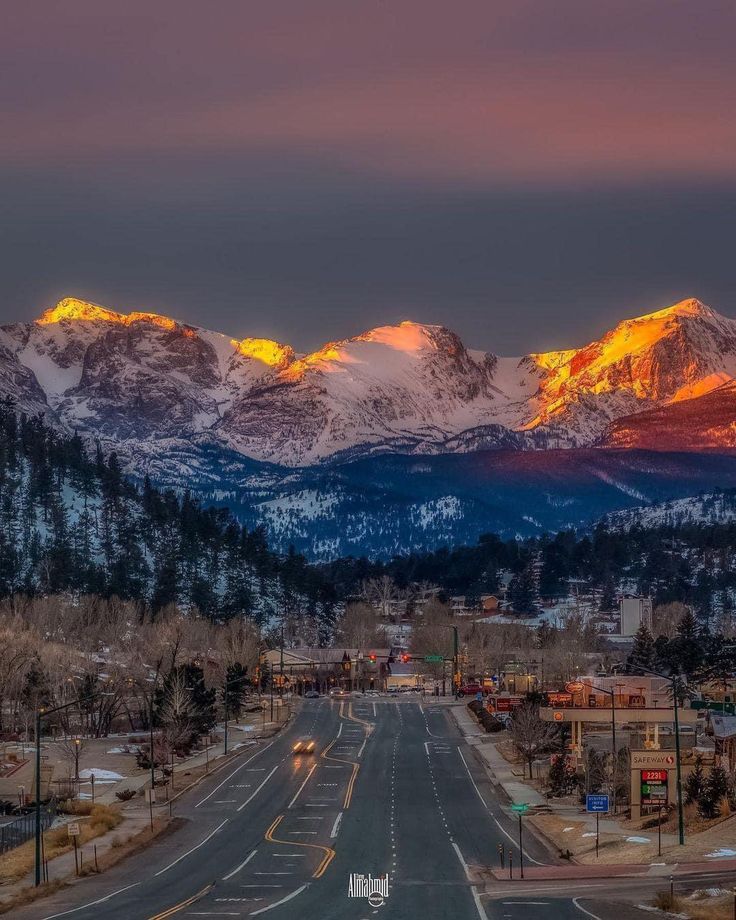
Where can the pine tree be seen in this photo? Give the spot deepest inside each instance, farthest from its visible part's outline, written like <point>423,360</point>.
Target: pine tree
<point>715,789</point>
<point>522,591</point>
<point>642,654</point>
<point>694,782</point>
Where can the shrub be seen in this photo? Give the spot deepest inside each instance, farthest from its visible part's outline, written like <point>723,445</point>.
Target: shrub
<point>663,900</point>
<point>125,795</point>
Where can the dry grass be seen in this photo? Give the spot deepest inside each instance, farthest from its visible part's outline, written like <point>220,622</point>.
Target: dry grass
<point>698,906</point>
<point>31,894</point>
<point>98,820</point>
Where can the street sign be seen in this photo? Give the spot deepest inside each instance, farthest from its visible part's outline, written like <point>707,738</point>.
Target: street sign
<point>596,804</point>
<point>72,829</point>
<point>520,808</point>
<point>433,658</point>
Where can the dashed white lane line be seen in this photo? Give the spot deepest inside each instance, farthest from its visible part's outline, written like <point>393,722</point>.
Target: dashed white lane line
<point>282,901</point>
<point>254,794</point>
<point>244,863</point>
<point>336,826</point>
<point>306,780</point>
<point>236,770</point>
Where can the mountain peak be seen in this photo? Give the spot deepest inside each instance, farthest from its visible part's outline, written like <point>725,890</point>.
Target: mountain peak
<point>72,309</point>
<point>274,354</point>
<point>689,307</point>
<point>406,336</point>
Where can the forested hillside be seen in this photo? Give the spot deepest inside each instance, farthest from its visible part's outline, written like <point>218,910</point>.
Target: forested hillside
<point>73,523</point>
<point>691,563</point>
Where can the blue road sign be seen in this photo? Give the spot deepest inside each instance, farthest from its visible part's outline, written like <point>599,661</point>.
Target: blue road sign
<point>596,803</point>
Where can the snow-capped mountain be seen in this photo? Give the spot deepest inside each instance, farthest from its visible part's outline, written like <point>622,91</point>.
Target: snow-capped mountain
<point>155,386</point>
<point>284,437</point>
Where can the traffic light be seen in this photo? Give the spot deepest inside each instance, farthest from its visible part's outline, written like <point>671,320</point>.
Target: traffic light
<point>372,657</point>
<point>406,658</point>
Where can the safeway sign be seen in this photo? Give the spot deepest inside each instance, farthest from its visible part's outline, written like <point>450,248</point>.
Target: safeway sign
<point>652,760</point>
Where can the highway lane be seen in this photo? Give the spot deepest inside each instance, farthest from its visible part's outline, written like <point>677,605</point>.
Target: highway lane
<point>226,817</point>
<point>392,788</point>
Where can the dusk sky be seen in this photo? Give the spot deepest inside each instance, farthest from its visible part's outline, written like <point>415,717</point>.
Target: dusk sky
<point>526,172</point>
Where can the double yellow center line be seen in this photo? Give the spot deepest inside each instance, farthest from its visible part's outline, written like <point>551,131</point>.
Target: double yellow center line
<point>189,901</point>
<point>329,853</point>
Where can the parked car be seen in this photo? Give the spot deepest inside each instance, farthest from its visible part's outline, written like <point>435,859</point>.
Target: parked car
<point>312,694</point>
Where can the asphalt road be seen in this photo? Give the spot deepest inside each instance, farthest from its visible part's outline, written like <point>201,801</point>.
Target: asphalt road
<point>391,789</point>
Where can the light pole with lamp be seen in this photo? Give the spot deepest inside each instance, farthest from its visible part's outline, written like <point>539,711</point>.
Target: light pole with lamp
<point>579,684</point>
<point>41,714</point>
<point>673,680</point>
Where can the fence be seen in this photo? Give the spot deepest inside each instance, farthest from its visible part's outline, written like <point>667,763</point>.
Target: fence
<point>23,828</point>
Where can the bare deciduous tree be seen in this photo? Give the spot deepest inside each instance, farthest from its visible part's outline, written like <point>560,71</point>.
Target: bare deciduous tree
<point>531,736</point>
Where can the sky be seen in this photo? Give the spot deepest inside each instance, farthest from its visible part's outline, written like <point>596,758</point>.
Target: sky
<point>526,173</point>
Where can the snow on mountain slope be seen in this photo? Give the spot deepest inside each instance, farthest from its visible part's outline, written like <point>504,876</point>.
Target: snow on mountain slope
<point>707,508</point>
<point>651,360</point>
<point>406,386</point>
<point>158,388</point>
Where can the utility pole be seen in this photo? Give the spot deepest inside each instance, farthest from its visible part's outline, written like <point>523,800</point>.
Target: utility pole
<point>456,678</point>
<point>673,681</point>
<point>226,700</point>
<point>281,664</point>
<point>680,814</point>
<point>40,713</point>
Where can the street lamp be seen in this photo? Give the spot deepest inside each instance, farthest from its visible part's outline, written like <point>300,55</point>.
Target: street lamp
<point>150,702</point>
<point>40,714</point>
<point>612,694</point>
<point>77,743</point>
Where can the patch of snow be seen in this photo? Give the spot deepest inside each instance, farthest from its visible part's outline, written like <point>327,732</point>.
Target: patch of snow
<point>638,840</point>
<point>101,775</point>
<point>721,853</point>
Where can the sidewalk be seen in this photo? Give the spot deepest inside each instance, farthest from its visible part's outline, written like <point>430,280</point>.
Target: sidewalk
<point>237,739</point>
<point>558,818</point>
<point>134,831</point>
<point>501,772</point>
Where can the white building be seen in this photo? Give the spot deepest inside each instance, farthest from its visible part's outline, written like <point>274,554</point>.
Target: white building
<point>634,611</point>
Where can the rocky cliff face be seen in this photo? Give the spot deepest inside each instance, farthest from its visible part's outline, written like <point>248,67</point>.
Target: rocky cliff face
<point>156,387</point>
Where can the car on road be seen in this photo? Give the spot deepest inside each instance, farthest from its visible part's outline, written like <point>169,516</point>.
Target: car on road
<point>471,689</point>
<point>311,694</point>
<point>303,746</point>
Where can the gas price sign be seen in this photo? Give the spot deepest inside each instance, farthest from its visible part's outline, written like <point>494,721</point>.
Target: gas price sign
<point>653,787</point>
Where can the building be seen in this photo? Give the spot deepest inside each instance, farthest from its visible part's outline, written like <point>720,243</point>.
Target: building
<point>324,668</point>
<point>724,733</point>
<point>635,611</point>
<point>490,603</point>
